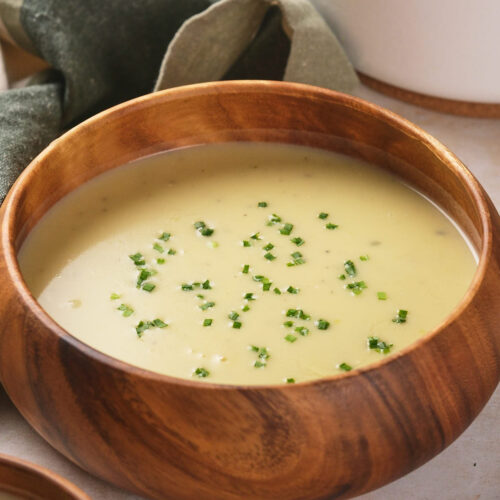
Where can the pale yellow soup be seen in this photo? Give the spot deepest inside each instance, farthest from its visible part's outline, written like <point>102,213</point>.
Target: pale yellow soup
<point>122,264</point>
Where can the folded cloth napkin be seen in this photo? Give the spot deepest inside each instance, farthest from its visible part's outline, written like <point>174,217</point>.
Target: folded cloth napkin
<point>102,52</point>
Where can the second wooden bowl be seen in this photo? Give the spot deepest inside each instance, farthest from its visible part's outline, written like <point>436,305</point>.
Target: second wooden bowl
<point>169,438</point>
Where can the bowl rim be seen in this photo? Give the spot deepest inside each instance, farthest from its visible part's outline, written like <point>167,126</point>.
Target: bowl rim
<point>10,462</point>
<point>475,190</point>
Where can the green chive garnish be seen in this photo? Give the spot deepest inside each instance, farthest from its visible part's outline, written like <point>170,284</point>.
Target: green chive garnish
<point>322,215</point>
<point>249,296</point>
<point>286,229</point>
<point>164,236</point>
<point>246,243</point>
<point>233,315</point>
<point>298,241</point>
<point>341,276</point>
<point>138,259</point>
<point>290,380</point>
<point>268,247</point>
<point>148,287</point>
<point>350,268</point>
<point>345,367</point>
<point>115,296</point>
<point>293,290</point>
<point>302,330</point>
<point>288,324</point>
<point>246,268</point>
<point>256,236</point>
<point>381,296</point>
<point>203,229</point>
<point>322,324</point>
<point>331,226</point>
<point>142,327</point>
<point>160,261</point>
<point>207,305</point>
<point>269,256</point>
<point>206,285</point>
<point>356,287</point>
<point>401,316</point>
<point>126,310</point>
<point>159,323</point>
<point>297,259</point>
<point>273,219</point>
<point>379,345</point>
<point>187,287</point>
<point>237,324</point>
<point>364,258</point>
<point>277,291</point>
<point>266,286</point>
<point>171,251</point>
<point>263,356</point>
<point>290,338</point>
<point>158,248</point>
<point>262,204</point>
<point>207,322</point>
<point>201,372</point>
<point>245,308</point>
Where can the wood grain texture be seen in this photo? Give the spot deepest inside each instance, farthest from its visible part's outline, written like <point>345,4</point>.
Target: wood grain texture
<point>441,104</point>
<point>32,482</point>
<point>169,438</point>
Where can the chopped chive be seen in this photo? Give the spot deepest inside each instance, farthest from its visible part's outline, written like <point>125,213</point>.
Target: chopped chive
<point>277,291</point>
<point>302,330</point>
<point>273,219</point>
<point>269,256</point>
<point>158,248</point>
<point>331,226</point>
<point>201,372</point>
<point>171,251</point>
<point>341,276</point>
<point>297,259</point>
<point>322,324</point>
<point>356,287</point>
<point>291,313</point>
<point>379,345</point>
<point>144,274</point>
<point>381,296</point>
<point>160,261</point>
<point>290,338</point>
<point>290,380</point>
<point>114,296</point>
<point>262,204</point>
<point>207,322</point>
<point>254,348</point>
<point>206,285</point>
<point>246,243</point>
<point>263,356</point>
<point>293,290</point>
<point>142,326</point>
<point>249,296</point>
<point>200,296</point>
<point>246,268</point>
<point>297,313</point>
<point>245,308</point>
<point>286,229</point>
<point>322,215</point>
<point>364,258</point>
<point>159,323</point>
<point>207,305</point>
<point>256,236</point>
<point>138,259</point>
<point>148,287</point>
<point>350,268</point>
<point>164,236</point>
<point>233,315</point>
<point>298,241</point>
<point>187,287</point>
<point>237,324</point>
<point>126,310</point>
<point>203,229</point>
<point>401,316</point>
<point>288,324</point>
<point>345,367</point>
<point>259,277</point>
<point>268,247</point>
<point>266,286</point>
<point>259,364</point>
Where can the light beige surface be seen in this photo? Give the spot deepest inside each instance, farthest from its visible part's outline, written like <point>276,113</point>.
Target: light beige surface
<point>79,254</point>
<point>468,470</point>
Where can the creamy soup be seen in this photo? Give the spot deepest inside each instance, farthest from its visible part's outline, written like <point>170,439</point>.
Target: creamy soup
<point>247,264</point>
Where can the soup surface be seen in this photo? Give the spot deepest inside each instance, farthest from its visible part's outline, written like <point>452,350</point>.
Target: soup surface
<point>247,263</point>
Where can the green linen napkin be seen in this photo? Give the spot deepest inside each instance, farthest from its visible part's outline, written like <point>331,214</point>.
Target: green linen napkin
<point>107,51</point>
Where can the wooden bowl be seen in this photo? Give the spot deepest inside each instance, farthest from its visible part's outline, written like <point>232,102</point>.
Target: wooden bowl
<point>31,482</point>
<point>170,438</point>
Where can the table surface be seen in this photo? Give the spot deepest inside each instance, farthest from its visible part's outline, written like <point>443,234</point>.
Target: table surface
<point>467,470</point>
